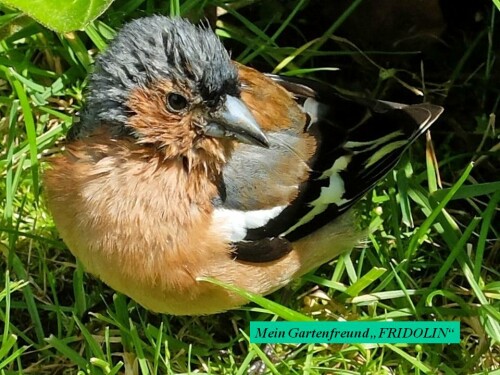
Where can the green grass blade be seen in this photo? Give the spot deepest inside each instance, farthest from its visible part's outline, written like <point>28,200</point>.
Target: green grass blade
<point>366,280</point>
<point>138,347</point>
<point>331,30</point>
<point>276,308</point>
<point>94,347</point>
<point>31,304</point>
<point>454,253</point>
<point>79,290</point>
<point>30,131</point>
<point>432,217</point>
<point>68,352</point>
<point>414,361</point>
<point>469,191</point>
<point>487,216</point>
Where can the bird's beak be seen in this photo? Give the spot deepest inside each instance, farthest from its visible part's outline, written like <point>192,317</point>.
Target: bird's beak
<point>234,120</point>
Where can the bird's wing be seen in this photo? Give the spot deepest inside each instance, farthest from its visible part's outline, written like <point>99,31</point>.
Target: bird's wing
<point>343,145</point>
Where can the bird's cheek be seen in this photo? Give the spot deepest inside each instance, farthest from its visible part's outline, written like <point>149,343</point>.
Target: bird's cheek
<point>179,137</point>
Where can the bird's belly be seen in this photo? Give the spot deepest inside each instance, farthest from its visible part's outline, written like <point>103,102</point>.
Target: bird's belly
<point>133,232</point>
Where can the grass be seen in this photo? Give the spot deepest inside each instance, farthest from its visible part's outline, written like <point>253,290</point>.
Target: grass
<point>432,250</point>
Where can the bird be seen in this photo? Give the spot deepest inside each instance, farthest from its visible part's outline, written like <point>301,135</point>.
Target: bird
<point>186,165</point>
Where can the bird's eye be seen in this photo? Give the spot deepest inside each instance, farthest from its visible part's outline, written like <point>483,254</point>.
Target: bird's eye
<point>176,102</point>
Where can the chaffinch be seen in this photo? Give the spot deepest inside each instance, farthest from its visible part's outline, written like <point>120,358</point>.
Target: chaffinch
<point>186,164</point>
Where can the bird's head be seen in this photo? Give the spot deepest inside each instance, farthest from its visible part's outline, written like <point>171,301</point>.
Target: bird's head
<point>170,85</point>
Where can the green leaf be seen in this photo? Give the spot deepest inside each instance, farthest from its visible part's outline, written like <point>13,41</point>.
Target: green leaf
<point>497,3</point>
<point>61,15</point>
